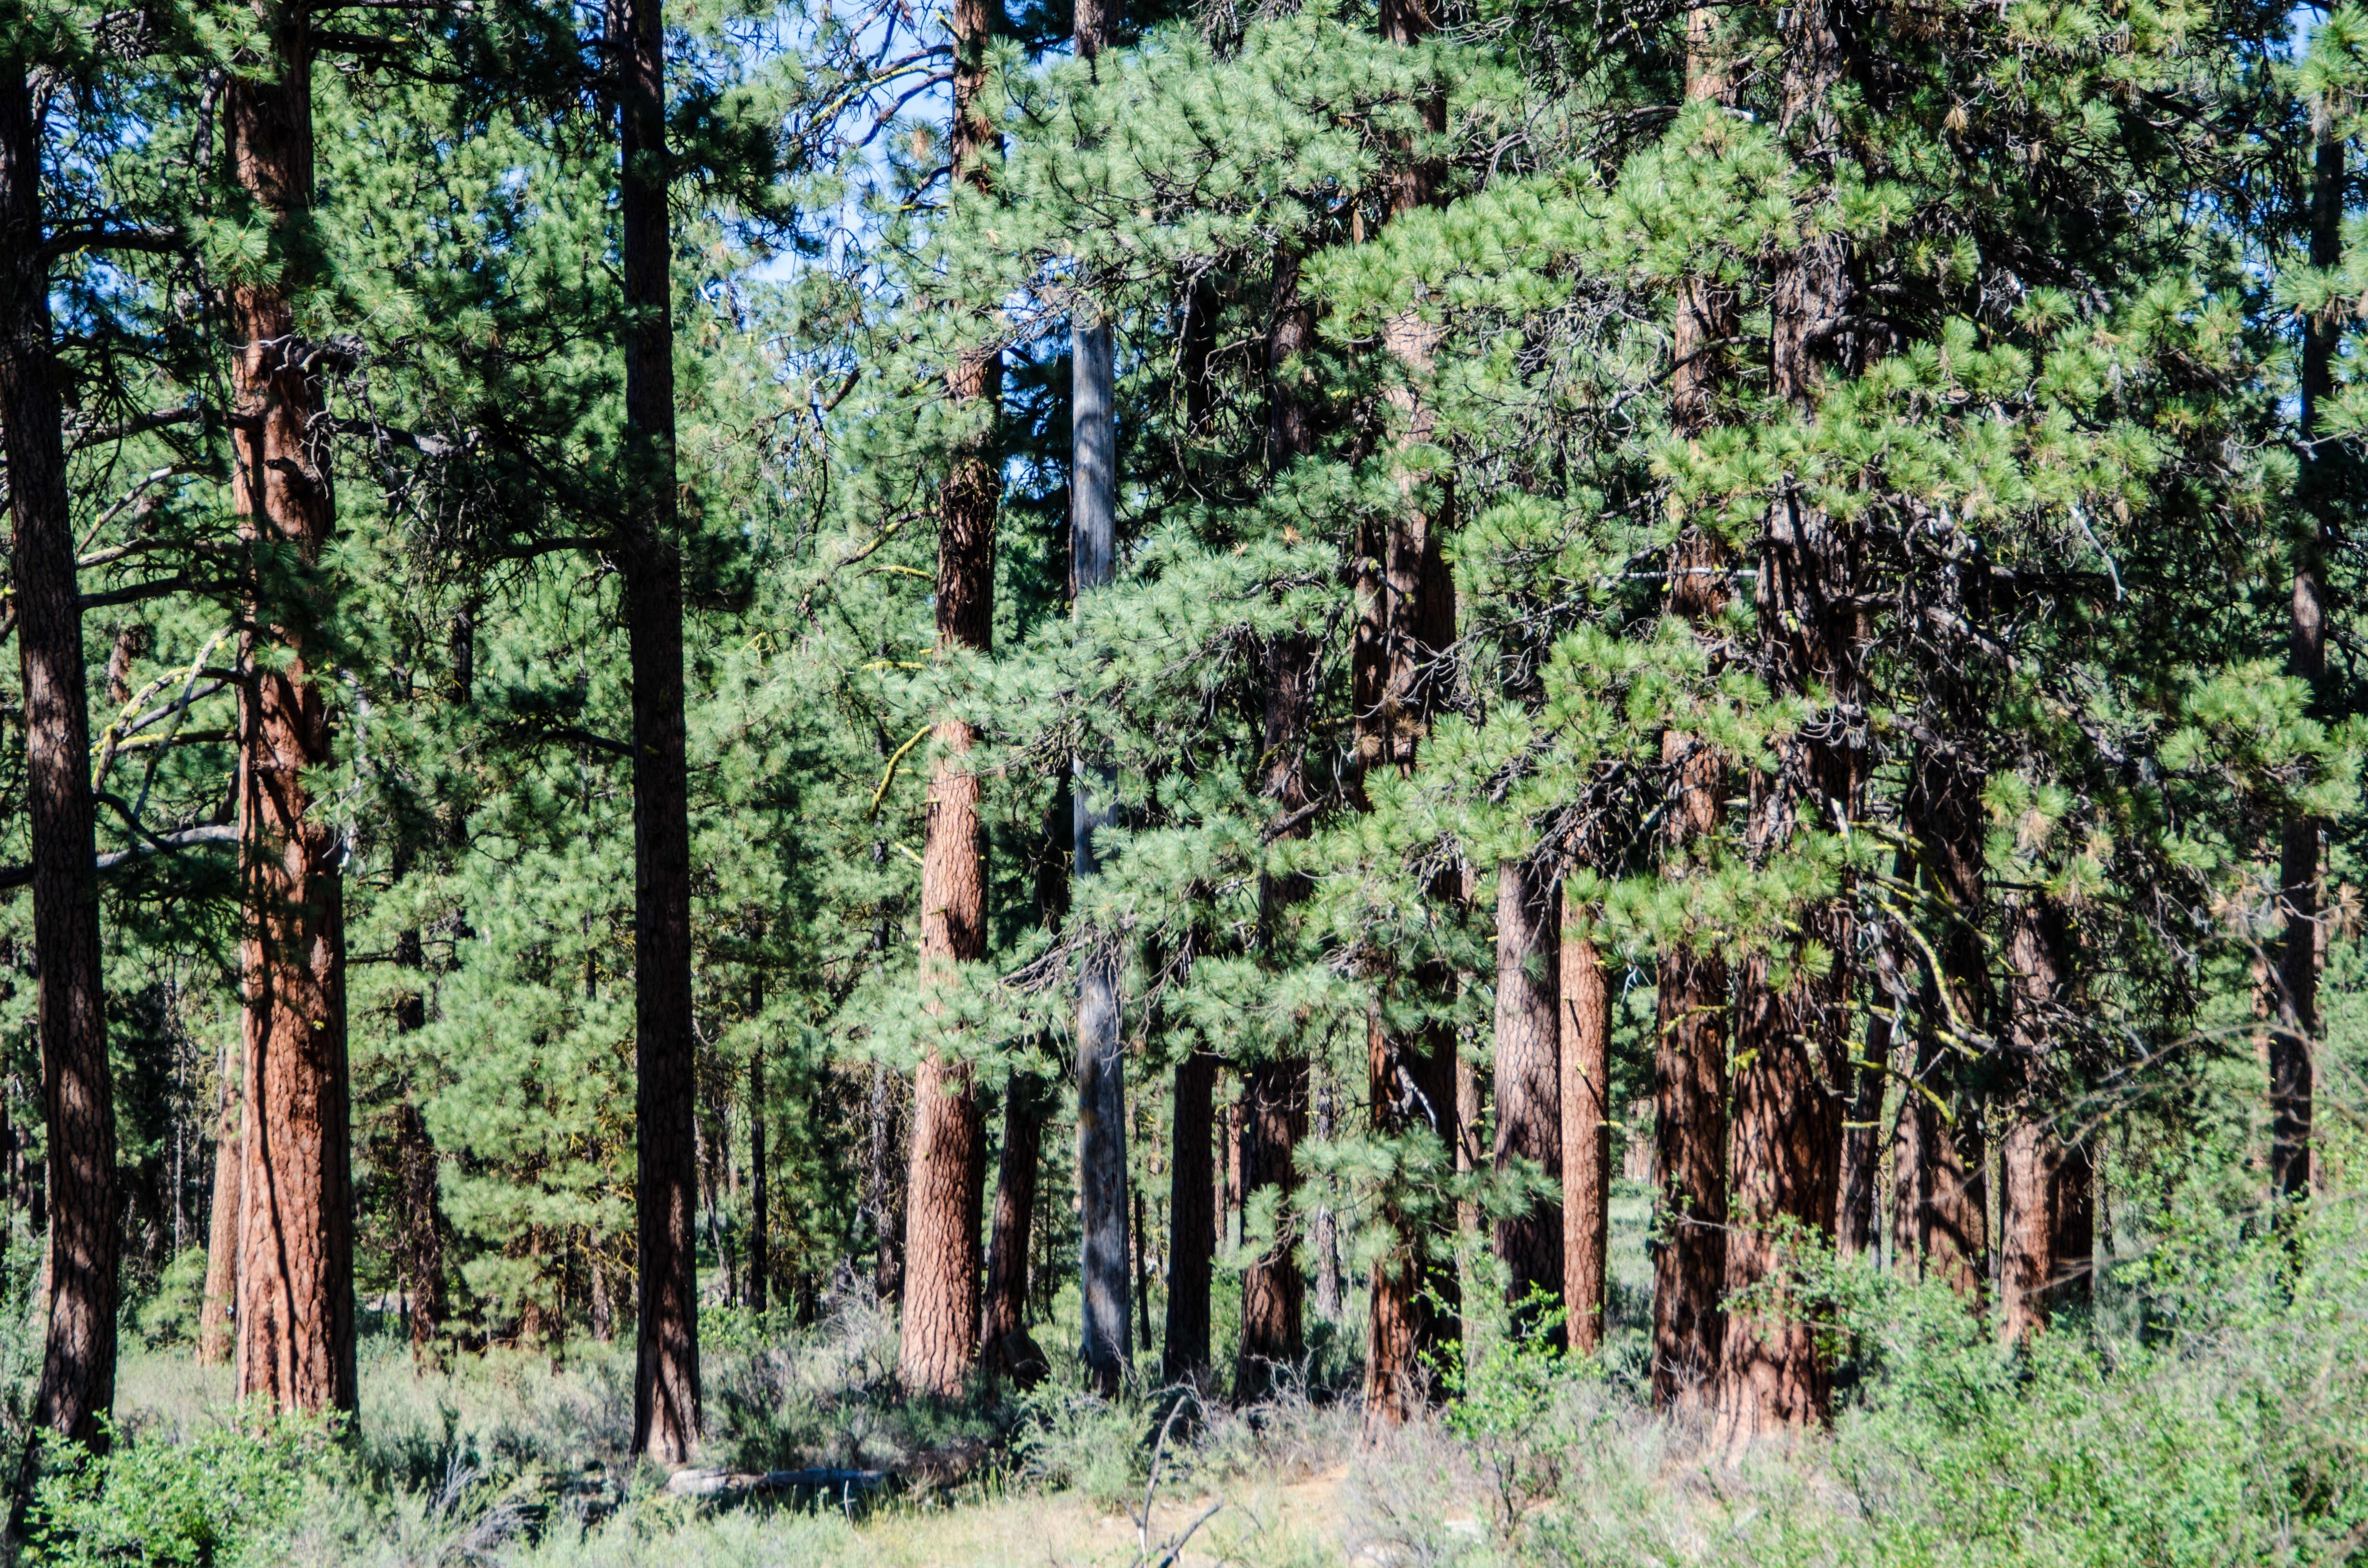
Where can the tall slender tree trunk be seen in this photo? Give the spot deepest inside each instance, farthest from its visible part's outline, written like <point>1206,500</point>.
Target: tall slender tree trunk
<point>419,1217</point>
<point>221,1292</point>
<point>1528,1072</point>
<point>1690,1022</point>
<point>1586,1075</point>
<point>1274,1089</point>
<point>1006,1309</point>
<point>1101,1061</point>
<point>1856,1208</point>
<point>77,1385</point>
<point>666,1396</point>
<point>945,1188</point>
<point>1791,1035</point>
<point>2291,1075</point>
<point>2030,1157</point>
<point>296,1292</point>
<point>1406,619</point>
<point>1191,1218</point>
<point>760,1218</point>
<point>1951,1224</point>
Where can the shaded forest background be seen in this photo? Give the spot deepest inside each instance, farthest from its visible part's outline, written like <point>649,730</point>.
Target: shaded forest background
<point>1302,702</point>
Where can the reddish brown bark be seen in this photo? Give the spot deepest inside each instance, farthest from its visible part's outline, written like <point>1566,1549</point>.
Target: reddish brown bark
<point>1274,1119</point>
<point>77,1383</point>
<point>666,1395</point>
<point>1529,1073</point>
<point>1586,1019</point>
<point>1689,1113</point>
<point>295,1297</point>
<point>2029,1156</point>
<point>1191,1218</point>
<point>1790,1029</point>
<point>220,1291</point>
<point>946,1183</point>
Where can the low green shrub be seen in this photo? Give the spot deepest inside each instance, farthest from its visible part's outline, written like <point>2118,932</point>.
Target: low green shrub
<point>217,1498</point>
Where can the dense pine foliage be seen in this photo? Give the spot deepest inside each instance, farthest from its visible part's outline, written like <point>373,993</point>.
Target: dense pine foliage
<point>1719,741</point>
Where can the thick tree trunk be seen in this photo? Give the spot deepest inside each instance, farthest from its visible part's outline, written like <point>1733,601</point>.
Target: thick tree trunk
<point>1586,1069</point>
<point>296,1295</point>
<point>77,1385</point>
<point>2072,1203</point>
<point>1005,1313</point>
<point>1951,1224</point>
<point>2292,1074</point>
<point>1274,1119</point>
<point>1791,1036</point>
<point>2031,1156</point>
<point>666,1396</point>
<point>1690,1115</point>
<point>1689,1247</point>
<point>945,1186</point>
<point>1191,1218</point>
<point>1406,619</point>
<point>220,1293</point>
<point>1529,1073</point>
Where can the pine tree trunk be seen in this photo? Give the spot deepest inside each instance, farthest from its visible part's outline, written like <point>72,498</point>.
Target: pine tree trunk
<point>760,1219</point>
<point>1951,1232</point>
<point>296,1297</point>
<point>1327,1227</point>
<point>1006,1309</point>
<point>2030,1155</point>
<point>666,1396</point>
<point>2072,1204</point>
<point>221,1292</point>
<point>1856,1209</point>
<point>884,1193</point>
<point>1791,1035</point>
<point>1405,617</point>
<point>1102,1060</point>
<point>2292,1074</point>
<point>945,1186</point>
<point>1586,1071</point>
<point>77,1384</point>
<point>1192,1219</point>
<point>1691,1020</point>
<point>1528,1072</point>
<point>1274,1119</point>
<point>419,1217</point>
<point>1690,1115</point>
<point>1274,1091</point>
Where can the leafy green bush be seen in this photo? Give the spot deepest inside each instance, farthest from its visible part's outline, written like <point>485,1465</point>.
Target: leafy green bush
<point>169,1315</point>
<point>222,1497</point>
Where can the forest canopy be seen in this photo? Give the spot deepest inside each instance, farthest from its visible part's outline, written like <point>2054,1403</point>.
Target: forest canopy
<point>1372,710</point>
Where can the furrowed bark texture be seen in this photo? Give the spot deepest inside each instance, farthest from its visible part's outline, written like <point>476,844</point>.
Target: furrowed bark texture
<point>2291,1075</point>
<point>1688,1247</point>
<point>1191,1218</point>
<point>1104,1274</point>
<point>77,1384</point>
<point>1528,1072</point>
<point>666,1395</point>
<point>1585,1024</point>
<point>946,1181</point>
<point>295,1291</point>
<point>2031,1156</point>
<point>1406,621</point>
<point>1791,1030</point>
<point>1006,1309</point>
<point>1274,1091</point>
<point>1689,1111</point>
<point>221,1292</point>
<point>1950,1231</point>
<point>1274,1119</point>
